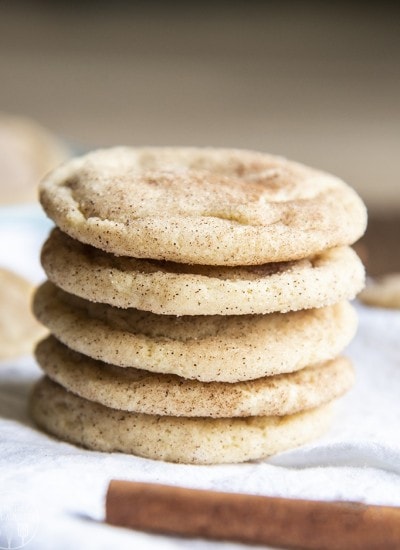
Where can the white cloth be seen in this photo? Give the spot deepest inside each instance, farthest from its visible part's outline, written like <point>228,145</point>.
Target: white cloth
<point>65,486</point>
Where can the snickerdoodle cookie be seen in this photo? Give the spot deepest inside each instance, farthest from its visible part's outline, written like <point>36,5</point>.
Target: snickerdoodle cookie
<point>201,206</point>
<point>19,330</point>
<point>180,289</point>
<point>383,292</point>
<point>207,348</point>
<point>175,439</point>
<point>136,390</point>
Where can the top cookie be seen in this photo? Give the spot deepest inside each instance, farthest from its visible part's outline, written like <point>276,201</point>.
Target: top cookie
<point>201,206</point>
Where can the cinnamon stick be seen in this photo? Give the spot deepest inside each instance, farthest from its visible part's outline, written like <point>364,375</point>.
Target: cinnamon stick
<point>280,522</point>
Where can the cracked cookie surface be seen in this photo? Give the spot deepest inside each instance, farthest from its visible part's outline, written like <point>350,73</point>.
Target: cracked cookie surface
<point>201,206</point>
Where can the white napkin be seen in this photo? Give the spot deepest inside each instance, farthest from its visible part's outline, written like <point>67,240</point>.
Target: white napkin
<point>60,488</point>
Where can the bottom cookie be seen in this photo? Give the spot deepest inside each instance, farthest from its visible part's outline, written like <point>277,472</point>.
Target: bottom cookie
<point>173,439</point>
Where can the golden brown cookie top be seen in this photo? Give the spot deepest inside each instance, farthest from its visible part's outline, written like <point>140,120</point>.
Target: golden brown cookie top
<point>202,206</point>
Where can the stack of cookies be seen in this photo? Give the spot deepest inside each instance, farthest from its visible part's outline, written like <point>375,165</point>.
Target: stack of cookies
<point>197,302</point>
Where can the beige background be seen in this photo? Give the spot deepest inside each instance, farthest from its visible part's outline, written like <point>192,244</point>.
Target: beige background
<point>318,84</point>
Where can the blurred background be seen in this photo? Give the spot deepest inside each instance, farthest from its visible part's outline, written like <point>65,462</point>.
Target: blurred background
<point>315,81</point>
